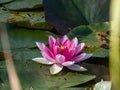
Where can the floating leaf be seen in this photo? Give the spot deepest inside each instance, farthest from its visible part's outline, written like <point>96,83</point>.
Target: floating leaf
<point>72,88</point>
<point>23,4</point>
<point>97,51</point>
<point>22,42</point>
<point>66,14</point>
<point>37,76</point>
<point>5,1</point>
<point>89,35</point>
<point>4,81</point>
<point>24,54</point>
<point>24,38</point>
<point>35,20</point>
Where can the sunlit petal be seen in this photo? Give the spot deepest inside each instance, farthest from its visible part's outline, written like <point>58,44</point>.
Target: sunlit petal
<point>74,42</point>
<point>79,48</point>
<point>42,60</point>
<point>84,57</point>
<point>68,63</point>
<point>60,58</point>
<point>67,43</point>
<point>40,45</point>
<point>45,51</point>
<point>52,41</point>
<point>56,68</point>
<point>79,57</point>
<point>76,67</point>
<point>64,38</point>
<point>48,57</point>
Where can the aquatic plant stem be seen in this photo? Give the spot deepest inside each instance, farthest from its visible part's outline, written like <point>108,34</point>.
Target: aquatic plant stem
<point>115,44</point>
<point>13,78</point>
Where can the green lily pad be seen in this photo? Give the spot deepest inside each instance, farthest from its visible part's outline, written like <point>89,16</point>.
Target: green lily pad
<point>66,14</point>
<point>24,4</point>
<point>4,82</point>
<point>37,76</point>
<point>35,20</point>
<point>95,36</point>
<point>24,54</point>
<point>76,88</point>
<point>24,38</point>
<point>22,42</point>
<point>97,52</point>
<point>5,1</point>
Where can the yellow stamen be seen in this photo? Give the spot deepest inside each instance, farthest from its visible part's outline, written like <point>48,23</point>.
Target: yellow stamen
<point>70,49</point>
<point>63,47</point>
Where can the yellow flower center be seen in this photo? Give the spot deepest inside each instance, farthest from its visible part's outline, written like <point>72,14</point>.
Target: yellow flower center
<point>63,47</point>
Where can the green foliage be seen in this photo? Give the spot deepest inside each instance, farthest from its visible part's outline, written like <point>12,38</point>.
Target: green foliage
<point>28,14</point>
<point>33,75</point>
<point>95,43</point>
<point>22,42</point>
<point>29,19</point>
<point>5,1</point>
<point>27,24</point>
<point>23,4</point>
<point>37,76</point>
<point>66,14</point>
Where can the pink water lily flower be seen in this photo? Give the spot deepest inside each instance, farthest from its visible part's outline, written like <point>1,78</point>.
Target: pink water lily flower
<point>62,52</point>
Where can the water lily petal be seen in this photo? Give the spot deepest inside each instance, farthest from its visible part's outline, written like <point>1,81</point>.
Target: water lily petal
<point>52,45</point>
<point>87,56</point>
<point>56,68</point>
<point>73,42</point>
<point>60,58</point>
<point>42,60</point>
<point>76,67</point>
<point>68,63</point>
<point>40,45</point>
<point>52,41</point>
<point>67,43</point>
<point>45,51</point>
<point>48,57</point>
<point>54,49</point>
<point>61,41</point>
<point>84,56</point>
<point>79,57</point>
<point>79,48</point>
<point>64,38</point>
